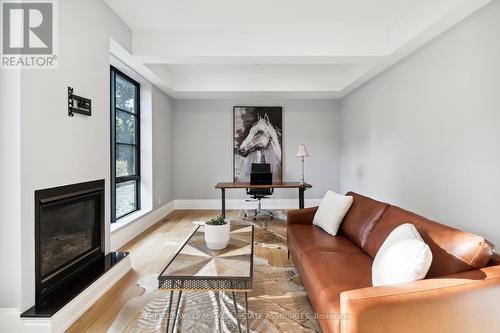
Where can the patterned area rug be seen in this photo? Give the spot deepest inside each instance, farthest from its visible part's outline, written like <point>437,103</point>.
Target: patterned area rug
<point>278,302</point>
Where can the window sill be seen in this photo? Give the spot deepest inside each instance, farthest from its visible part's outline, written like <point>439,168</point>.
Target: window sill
<point>126,220</point>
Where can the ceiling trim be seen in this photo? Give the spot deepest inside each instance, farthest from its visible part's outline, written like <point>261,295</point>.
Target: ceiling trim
<point>367,53</point>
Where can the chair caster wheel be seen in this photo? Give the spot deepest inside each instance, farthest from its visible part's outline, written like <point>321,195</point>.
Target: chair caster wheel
<point>246,215</point>
<point>271,217</point>
<point>255,219</point>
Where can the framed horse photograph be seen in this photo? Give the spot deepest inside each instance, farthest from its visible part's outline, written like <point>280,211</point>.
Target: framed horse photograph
<point>257,138</point>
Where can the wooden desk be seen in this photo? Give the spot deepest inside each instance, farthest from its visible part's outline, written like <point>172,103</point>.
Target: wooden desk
<point>300,186</point>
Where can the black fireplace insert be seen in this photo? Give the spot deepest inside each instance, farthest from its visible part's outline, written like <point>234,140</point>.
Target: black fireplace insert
<point>69,245</point>
<point>69,236</point>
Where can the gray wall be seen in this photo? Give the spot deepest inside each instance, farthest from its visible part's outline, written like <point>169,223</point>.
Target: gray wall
<point>426,134</point>
<point>203,145</point>
<point>163,148</point>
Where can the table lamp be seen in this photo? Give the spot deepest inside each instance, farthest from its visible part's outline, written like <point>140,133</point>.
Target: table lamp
<point>302,152</point>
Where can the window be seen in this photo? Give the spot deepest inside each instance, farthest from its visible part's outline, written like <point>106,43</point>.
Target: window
<point>125,145</point>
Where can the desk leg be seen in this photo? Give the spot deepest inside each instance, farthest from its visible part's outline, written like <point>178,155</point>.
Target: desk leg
<point>223,199</point>
<point>301,198</point>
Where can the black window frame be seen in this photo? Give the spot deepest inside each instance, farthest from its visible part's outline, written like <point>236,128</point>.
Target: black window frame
<point>137,176</point>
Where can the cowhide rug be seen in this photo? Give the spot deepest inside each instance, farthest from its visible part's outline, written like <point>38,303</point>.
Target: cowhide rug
<point>278,302</point>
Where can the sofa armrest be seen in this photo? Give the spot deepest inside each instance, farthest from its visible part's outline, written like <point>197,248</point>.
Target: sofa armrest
<point>465,302</point>
<point>301,216</point>
<point>494,260</point>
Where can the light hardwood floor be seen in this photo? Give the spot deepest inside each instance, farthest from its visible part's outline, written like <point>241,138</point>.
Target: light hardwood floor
<point>149,253</point>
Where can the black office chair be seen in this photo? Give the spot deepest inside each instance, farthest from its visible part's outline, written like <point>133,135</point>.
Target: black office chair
<point>260,175</point>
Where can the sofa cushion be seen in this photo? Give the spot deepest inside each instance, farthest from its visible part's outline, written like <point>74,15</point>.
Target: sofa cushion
<point>361,218</point>
<point>453,251</point>
<point>326,274</point>
<point>301,216</point>
<point>305,238</point>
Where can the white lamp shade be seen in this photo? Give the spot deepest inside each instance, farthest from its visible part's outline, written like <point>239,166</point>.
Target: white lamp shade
<point>302,151</point>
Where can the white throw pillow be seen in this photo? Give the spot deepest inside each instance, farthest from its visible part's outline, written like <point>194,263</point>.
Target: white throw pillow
<point>403,257</point>
<point>331,211</point>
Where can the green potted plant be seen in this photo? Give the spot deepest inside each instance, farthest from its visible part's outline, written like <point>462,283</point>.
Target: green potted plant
<point>217,233</point>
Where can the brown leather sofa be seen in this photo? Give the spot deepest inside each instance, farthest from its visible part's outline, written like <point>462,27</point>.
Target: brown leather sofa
<point>461,292</point>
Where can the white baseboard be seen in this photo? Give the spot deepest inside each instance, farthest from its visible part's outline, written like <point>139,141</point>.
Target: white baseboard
<point>10,320</point>
<point>242,204</point>
<point>124,235</point>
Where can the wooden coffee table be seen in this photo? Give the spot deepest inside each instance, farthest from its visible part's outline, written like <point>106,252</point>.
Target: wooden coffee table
<point>197,268</point>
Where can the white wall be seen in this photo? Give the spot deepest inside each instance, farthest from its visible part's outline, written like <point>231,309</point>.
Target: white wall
<point>425,135</point>
<point>57,149</point>
<point>10,189</point>
<point>203,145</point>
<point>163,148</point>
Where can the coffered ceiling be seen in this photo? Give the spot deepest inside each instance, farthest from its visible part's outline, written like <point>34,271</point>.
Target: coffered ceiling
<point>280,48</point>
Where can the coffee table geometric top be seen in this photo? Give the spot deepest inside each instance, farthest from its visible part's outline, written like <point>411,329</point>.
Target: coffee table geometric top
<point>195,266</point>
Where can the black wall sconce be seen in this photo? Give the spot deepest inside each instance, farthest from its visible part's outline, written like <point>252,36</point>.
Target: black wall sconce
<point>83,105</point>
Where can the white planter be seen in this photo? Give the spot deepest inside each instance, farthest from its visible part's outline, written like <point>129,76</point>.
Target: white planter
<point>217,236</point>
